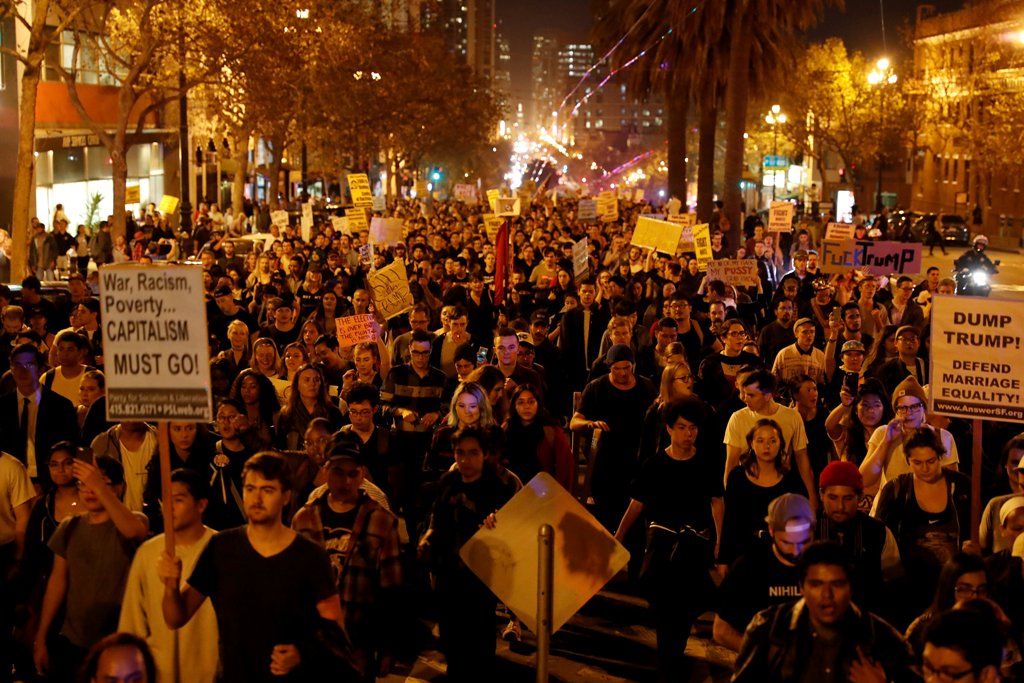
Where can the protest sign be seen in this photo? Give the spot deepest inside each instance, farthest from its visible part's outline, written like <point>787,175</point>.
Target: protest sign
<point>422,191</point>
<point>340,224</point>
<point>839,231</point>
<point>279,218</point>
<point>507,206</point>
<point>684,219</point>
<point>380,204</point>
<point>389,289</point>
<point>359,187</point>
<point>659,235</point>
<point>525,199</point>
<point>780,217</point>
<point>132,195</point>
<point>702,245</point>
<point>492,224</point>
<point>306,222</point>
<point>385,230</point>
<point>638,196</point>
<point>353,329</point>
<point>877,258</point>
<point>673,206</point>
<point>739,272</point>
<point>168,204</point>
<point>587,210</point>
<point>366,255</point>
<point>505,558</point>
<point>686,239</point>
<point>357,219</point>
<point>580,261</point>
<point>977,364</point>
<point>492,199</point>
<point>465,192</point>
<point>608,206</point>
<point>155,343</point>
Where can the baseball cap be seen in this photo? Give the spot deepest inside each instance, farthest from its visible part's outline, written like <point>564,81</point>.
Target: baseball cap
<point>525,340</point>
<point>790,512</point>
<point>1010,506</point>
<point>903,329</point>
<point>345,450</point>
<point>223,290</point>
<point>852,346</point>
<point>539,317</point>
<point>802,321</point>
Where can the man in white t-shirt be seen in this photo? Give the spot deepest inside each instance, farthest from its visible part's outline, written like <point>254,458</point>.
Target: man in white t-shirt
<point>133,444</point>
<point>757,390</point>
<point>65,377</point>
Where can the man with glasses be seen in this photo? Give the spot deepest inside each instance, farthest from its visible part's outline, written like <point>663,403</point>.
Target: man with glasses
<point>886,458</point>
<point>903,310</point>
<point>689,332</point>
<point>419,319</point>
<point>374,442</point>
<point>717,372</point>
<point>907,362</point>
<point>963,646</point>
<point>33,418</point>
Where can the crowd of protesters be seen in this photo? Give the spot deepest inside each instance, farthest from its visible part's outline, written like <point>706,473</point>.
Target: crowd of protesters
<point>766,452</point>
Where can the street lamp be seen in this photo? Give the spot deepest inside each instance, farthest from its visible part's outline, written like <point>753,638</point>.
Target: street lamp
<point>773,119</point>
<point>882,75</point>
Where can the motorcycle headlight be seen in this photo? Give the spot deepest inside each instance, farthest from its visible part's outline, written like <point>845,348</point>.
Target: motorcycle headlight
<point>980,278</point>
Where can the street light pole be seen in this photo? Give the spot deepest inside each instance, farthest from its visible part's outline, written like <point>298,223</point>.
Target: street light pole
<point>881,75</point>
<point>775,117</point>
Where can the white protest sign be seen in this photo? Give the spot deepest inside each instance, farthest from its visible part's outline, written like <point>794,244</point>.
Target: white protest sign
<point>380,204</point>
<point>279,218</point>
<point>389,289</point>
<point>780,217</point>
<point>505,558</point>
<point>306,223</point>
<point>465,192</point>
<point>155,351</point>
<point>739,272</point>
<point>587,210</point>
<point>340,224</point>
<point>977,359</point>
<point>638,196</point>
<point>839,231</point>
<point>580,260</point>
<point>385,230</point>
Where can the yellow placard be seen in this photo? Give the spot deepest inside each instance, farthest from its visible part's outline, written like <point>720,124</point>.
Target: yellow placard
<point>168,204</point>
<point>492,224</point>
<point>654,234</point>
<point>357,219</point>
<point>421,188</point>
<point>702,245</point>
<point>389,289</point>
<point>608,206</point>
<point>492,199</point>
<point>359,186</point>
<point>687,220</point>
<point>132,194</point>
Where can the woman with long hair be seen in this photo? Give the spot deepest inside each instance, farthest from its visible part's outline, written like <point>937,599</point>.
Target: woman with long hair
<point>192,447</point>
<point>763,476</point>
<point>963,577</point>
<point>469,407</point>
<point>58,502</point>
<point>534,442</point>
<point>265,359</point>
<point>308,336</point>
<point>308,398</point>
<point>326,312</point>
<point>851,424</point>
<point>492,382</point>
<point>293,357</point>
<point>257,394</point>
<point>676,382</point>
<point>92,390</point>
<point>882,349</point>
<point>238,355</point>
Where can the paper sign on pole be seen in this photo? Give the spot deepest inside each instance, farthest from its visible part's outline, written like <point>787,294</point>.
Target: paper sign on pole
<point>357,219</point>
<point>389,289</point>
<point>977,360</point>
<point>580,261</point>
<point>353,329</point>
<point>492,224</point>
<point>739,272</point>
<point>839,231</point>
<point>279,218</point>
<point>359,187</point>
<point>877,258</point>
<point>492,199</point>
<point>660,235</point>
<point>608,206</point>
<point>340,224</point>
<point>155,351</point>
<point>780,217</point>
<point>385,230</point>
<point>702,245</point>
<point>168,204</point>
<point>380,204</point>
<point>505,558</point>
<point>465,192</point>
<point>508,206</point>
<point>306,222</point>
<point>587,210</point>
<point>132,195</point>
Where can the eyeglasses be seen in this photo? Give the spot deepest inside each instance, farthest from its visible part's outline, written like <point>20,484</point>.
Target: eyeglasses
<point>908,338</point>
<point>913,408</point>
<point>964,589</point>
<point>682,378</point>
<point>933,673</point>
<point>365,412</point>
<point>736,334</point>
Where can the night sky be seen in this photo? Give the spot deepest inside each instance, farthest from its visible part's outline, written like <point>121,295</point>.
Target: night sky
<point>860,26</point>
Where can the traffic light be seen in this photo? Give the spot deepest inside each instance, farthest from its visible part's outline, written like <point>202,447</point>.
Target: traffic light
<point>436,175</point>
<point>842,175</point>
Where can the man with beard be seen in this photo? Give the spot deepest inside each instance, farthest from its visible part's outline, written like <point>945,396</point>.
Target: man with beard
<point>778,334</point>
<point>272,590</point>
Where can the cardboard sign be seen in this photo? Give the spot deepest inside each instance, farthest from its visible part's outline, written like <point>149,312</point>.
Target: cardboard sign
<point>279,218</point>
<point>739,272</point>
<point>839,231</point>
<point>465,192</point>
<point>421,188</point>
<point>580,261</point>
<point>359,187</point>
<point>306,222</point>
<point>780,217</point>
<point>638,196</point>
<point>380,204</point>
<point>385,230</point>
<point>340,224</point>
<point>357,219</point>
<point>155,353</point>
<point>168,204</point>
<point>132,195</point>
<point>977,360</point>
<point>508,206</point>
<point>608,206</point>
<point>702,245</point>
<point>505,558</point>
<point>587,210</point>
<point>492,199</point>
<point>354,329</point>
<point>654,234</point>
<point>492,224</point>
<point>389,289</point>
<point>877,258</point>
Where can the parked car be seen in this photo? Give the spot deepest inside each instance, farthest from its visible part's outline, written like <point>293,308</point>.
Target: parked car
<point>953,230</point>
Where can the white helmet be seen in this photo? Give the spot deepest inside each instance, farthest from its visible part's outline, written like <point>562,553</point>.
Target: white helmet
<point>980,238</point>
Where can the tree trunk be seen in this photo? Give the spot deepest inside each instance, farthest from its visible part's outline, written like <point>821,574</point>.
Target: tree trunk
<point>706,163</point>
<point>274,173</point>
<point>678,109</point>
<point>119,167</point>
<point>241,157</point>
<point>24,178</point>
<point>736,91</point>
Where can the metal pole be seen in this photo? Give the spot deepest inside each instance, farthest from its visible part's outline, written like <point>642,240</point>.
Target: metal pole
<point>975,478</point>
<point>775,153</point>
<point>183,144</point>
<point>545,587</point>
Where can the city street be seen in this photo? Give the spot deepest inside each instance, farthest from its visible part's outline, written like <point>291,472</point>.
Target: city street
<point>1008,284</point>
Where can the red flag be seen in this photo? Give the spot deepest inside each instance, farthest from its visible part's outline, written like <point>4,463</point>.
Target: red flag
<point>501,263</point>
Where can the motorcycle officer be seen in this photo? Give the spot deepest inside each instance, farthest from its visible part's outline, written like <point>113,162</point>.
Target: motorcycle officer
<point>975,258</point>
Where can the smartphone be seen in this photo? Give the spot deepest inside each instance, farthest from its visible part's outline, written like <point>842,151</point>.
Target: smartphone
<point>851,381</point>
<point>481,356</point>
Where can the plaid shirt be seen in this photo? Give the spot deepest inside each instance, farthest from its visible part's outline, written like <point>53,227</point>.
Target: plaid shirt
<point>371,572</point>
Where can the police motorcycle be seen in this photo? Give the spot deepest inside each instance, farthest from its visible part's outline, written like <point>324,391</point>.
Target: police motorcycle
<point>973,270</point>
